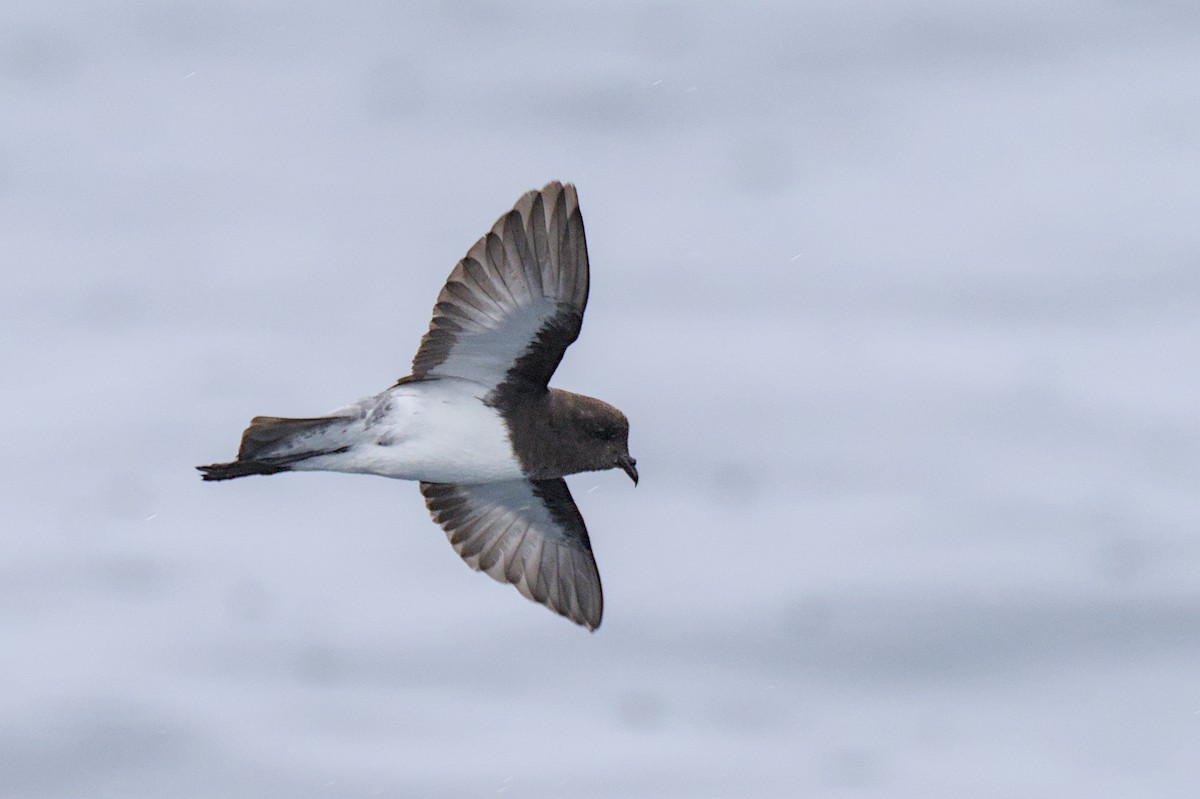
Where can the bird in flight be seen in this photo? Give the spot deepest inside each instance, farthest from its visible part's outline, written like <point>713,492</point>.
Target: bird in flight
<point>476,422</point>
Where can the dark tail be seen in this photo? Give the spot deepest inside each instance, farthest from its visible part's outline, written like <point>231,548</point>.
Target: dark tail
<point>271,445</point>
<point>228,471</point>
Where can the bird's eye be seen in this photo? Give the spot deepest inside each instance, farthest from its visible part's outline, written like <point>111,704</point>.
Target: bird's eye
<point>606,434</point>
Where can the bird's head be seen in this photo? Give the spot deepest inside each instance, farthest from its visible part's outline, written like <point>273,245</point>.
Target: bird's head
<point>605,434</point>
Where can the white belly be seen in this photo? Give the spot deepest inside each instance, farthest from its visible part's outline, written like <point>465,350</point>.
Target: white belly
<point>438,431</point>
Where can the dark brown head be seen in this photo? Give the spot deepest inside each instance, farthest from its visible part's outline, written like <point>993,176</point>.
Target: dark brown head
<point>594,435</point>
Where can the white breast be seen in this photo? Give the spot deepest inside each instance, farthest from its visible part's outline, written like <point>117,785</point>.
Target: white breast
<point>439,431</point>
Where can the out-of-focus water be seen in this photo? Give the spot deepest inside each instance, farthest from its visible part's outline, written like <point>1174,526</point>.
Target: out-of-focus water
<point>903,301</point>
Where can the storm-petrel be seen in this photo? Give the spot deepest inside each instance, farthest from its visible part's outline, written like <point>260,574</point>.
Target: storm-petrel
<point>476,422</point>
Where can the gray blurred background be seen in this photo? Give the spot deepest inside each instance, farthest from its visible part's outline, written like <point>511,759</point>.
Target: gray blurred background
<point>903,300</point>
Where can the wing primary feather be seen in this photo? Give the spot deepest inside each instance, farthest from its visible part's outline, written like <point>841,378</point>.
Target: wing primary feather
<point>514,281</point>
<point>518,252</point>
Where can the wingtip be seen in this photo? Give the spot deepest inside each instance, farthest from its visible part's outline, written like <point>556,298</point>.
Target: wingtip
<point>554,188</point>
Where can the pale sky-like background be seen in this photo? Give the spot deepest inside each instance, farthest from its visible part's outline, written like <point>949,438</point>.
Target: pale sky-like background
<point>902,300</point>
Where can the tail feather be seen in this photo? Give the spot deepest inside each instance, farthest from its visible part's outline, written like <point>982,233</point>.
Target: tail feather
<point>274,433</point>
<point>228,471</point>
<point>272,444</point>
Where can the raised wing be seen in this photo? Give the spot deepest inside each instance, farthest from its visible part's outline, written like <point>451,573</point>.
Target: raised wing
<point>524,532</point>
<point>513,305</point>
